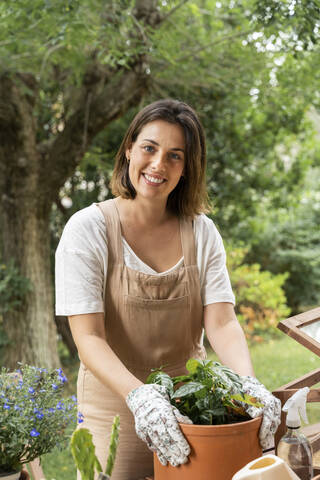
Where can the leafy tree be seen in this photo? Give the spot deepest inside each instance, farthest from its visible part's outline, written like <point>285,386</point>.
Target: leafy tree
<point>69,69</point>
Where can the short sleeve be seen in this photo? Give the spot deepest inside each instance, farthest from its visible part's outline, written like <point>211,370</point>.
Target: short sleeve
<point>81,264</point>
<point>211,258</point>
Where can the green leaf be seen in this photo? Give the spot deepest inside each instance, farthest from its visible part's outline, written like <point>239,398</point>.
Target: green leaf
<point>161,378</point>
<point>181,378</point>
<point>248,399</point>
<point>192,365</point>
<point>188,389</point>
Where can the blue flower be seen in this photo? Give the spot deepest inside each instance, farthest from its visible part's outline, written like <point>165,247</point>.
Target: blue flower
<point>39,415</point>
<point>51,409</point>
<point>54,386</point>
<point>6,406</point>
<point>80,417</point>
<point>59,406</point>
<point>63,379</point>
<point>31,390</point>
<point>74,398</point>
<point>16,407</point>
<point>34,433</point>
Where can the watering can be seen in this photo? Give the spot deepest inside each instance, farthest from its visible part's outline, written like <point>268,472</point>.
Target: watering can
<point>268,467</point>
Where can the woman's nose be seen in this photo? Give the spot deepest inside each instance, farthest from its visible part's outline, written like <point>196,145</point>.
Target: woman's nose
<point>159,161</point>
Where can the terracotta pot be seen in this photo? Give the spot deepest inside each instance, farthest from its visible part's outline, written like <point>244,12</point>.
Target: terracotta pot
<point>217,451</point>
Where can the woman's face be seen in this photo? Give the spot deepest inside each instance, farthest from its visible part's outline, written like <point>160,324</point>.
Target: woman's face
<point>157,159</point>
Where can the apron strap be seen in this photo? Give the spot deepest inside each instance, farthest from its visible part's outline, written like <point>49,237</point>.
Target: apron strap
<point>188,241</point>
<point>113,228</point>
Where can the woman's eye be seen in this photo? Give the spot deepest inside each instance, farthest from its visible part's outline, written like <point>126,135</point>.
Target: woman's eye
<point>148,148</point>
<point>175,156</point>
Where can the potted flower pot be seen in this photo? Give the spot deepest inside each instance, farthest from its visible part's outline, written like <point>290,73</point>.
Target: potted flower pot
<point>31,392</point>
<point>217,451</point>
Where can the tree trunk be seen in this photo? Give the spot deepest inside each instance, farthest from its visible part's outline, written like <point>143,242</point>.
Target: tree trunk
<point>66,335</point>
<point>31,330</point>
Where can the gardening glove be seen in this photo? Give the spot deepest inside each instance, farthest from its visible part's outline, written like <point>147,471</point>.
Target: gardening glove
<point>156,422</point>
<point>271,410</point>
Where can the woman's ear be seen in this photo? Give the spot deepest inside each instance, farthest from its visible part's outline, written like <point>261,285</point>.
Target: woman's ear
<point>128,153</point>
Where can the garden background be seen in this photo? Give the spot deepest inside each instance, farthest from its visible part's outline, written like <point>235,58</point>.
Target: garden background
<point>72,76</point>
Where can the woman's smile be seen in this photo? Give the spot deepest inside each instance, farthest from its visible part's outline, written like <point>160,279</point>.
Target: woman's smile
<point>154,180</point>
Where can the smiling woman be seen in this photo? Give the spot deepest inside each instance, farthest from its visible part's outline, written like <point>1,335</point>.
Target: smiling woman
<point>140,276</point>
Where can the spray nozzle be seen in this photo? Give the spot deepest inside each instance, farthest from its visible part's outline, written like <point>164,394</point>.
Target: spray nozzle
<point>296,406</point>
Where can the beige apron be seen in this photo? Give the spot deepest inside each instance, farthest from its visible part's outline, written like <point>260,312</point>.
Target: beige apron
<point>150,321</point>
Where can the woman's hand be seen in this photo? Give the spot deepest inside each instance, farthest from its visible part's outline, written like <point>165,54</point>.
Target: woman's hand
<point>156,422</point>
<point>271,410</point>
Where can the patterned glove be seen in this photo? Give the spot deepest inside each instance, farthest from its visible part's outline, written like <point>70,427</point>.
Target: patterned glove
<point>271,410</point>
<point>156,422</point>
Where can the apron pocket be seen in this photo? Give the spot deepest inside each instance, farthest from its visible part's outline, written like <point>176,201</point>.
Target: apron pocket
<point>167,304</point>
<point>153,329</point>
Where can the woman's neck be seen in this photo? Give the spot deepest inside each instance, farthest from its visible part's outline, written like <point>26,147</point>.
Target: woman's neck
<point>144,213</point>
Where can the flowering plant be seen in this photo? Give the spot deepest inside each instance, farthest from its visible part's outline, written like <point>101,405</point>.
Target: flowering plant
<point>33,414</point>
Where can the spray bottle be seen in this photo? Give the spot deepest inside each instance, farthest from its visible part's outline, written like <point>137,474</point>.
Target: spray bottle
<point>294,448</point>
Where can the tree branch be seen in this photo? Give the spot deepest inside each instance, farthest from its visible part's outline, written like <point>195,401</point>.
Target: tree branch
<point>214,43</point>
<point>103,97</point>
<point>173,10</point>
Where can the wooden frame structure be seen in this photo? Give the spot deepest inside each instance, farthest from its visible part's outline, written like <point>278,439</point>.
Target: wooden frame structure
<point>295,328</point>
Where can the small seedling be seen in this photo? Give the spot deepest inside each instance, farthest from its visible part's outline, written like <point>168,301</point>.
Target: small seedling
<point>83,451</point>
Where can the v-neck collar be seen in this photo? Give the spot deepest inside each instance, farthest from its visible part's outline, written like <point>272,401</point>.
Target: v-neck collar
<point>136,256</point>
<point>150,269</point>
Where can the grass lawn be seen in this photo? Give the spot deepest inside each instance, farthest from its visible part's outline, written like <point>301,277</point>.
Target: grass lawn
<point>276,363</point>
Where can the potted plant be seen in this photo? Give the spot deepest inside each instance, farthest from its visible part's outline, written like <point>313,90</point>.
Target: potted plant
<point>83,451</point>
<point>222,438</point>
<point>34,416</point>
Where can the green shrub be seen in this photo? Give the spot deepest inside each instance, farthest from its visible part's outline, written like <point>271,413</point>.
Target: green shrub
<point>260,298</point>
<point>13,287</point>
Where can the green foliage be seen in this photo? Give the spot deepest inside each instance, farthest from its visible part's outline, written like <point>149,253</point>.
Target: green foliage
<point>33,413</point>
<point>210,394</point>
<point>260,299</point>
<point>45,33</point>
<point>295,17</point>
<point>13,287</point>
<point>114,440</point>
<point>288,241</point>
<point>83,451</point>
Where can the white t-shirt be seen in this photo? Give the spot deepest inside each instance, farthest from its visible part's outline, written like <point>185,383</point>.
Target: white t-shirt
<point>82,263</point>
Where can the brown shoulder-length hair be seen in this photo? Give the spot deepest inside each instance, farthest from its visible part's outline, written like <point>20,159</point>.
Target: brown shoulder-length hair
<point>189,197</point>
